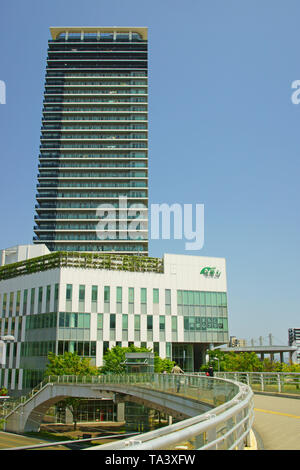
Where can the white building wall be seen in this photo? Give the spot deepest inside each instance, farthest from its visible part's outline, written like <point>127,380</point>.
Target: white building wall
<point>180,272</point>
<point>21,253</point>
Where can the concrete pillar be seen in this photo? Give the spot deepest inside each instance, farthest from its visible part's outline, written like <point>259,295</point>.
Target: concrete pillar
<point>270,339</point>
<point>281,357</point>
<point>121,412</point>
<point>3,258</point>
<point>69,417</point>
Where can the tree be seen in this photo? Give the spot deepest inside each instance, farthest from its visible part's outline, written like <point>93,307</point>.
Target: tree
<point>161,365</point>
<point>72,404</point>
<point>246,362</point>
<point>236,362</point>
<point>70,364</point>
<point>114,360</point>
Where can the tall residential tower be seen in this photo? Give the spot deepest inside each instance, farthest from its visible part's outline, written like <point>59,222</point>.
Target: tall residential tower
<point>92,192</point>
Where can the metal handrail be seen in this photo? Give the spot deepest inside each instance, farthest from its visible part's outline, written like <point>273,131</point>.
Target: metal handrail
<point>225,427</point>
<point>239,411</point>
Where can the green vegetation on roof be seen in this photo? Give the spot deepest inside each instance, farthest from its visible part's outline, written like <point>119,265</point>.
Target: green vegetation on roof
<point>73,259</point>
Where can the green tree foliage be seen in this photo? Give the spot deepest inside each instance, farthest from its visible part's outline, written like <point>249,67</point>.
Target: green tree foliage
<point>246,362</point>
<point>114,360</point>
<point>161,365</point>
<point>73,405</point>
<point>69,364</point>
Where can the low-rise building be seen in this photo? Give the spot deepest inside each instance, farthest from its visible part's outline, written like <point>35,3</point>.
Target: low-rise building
<point>88,303</point>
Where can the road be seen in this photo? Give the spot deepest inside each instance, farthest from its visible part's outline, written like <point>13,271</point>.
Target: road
<point>277,421</point>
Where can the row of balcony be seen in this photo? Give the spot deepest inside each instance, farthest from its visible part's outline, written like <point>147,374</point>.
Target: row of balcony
<point>57,166</point>
<point>104,86</point>
<point>89,127</point>
<point>53,146</point>
<point>90,237</point>
<point>65,176</point>
<point>85,90</point>
<point>90,185</point>
<point>92,74</point>
<point>141,155</point>
<point>141,214</point>
<point>90,205</point>
<point>142,226</point>
<point>49,108</point>
<point>111,135</point>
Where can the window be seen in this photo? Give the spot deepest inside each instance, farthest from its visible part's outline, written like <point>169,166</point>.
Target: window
<point>81,298</point>
<point>100,321</point>
<point>56,295</point>
<point>162,323</point>
<point>18,303</point>
<point>74,320</point>
<point>40,300</point>
<point>105,347</point>
<point>106,299</point>
<point>174,324</point>
<point>119,299</point>
<point>124,322</point>
<point>143,300</point>
<point>196,299</point>
<point>32,296</point>
<point>137,322</point>
<point>155,296</point>
<point>130,300</point>
<point>168,301</point>
<point>69,293</point>
<point>25,296</point>
<point>11,303</point>
<point>168,350</point>
<point>112,321</point>
<point>94,298</point>
<point>149,322</point>
<point>48,296</point>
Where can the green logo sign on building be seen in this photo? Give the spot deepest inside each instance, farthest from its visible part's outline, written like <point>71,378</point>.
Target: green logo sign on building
<point>210,272</point>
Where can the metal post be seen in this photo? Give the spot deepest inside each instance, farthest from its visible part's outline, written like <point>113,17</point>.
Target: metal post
<point>279,383</point>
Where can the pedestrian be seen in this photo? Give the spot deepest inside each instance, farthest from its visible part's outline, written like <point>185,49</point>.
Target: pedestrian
<point>177,370</point>
<point>210,371</point>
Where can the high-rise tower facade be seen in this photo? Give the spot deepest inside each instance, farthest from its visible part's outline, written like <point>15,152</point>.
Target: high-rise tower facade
<point>92,192</point>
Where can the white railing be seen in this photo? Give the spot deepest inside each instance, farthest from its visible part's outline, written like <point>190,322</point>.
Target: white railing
<point>226,427</point>
<point>276,382</point>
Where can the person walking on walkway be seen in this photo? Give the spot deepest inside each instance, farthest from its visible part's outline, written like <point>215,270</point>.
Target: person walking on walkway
<point>177,370</point>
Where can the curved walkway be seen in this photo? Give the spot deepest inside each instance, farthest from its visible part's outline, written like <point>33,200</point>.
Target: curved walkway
<point>277,422</point>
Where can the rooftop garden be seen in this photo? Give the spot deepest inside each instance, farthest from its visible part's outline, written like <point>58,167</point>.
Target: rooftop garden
<point>70,259</point>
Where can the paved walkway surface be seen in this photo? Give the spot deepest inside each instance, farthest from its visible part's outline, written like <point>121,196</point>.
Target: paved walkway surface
<point>277,421</point>
<point>10,440</point>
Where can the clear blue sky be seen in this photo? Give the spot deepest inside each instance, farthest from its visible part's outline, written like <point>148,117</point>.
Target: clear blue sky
<point>223,132</point>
